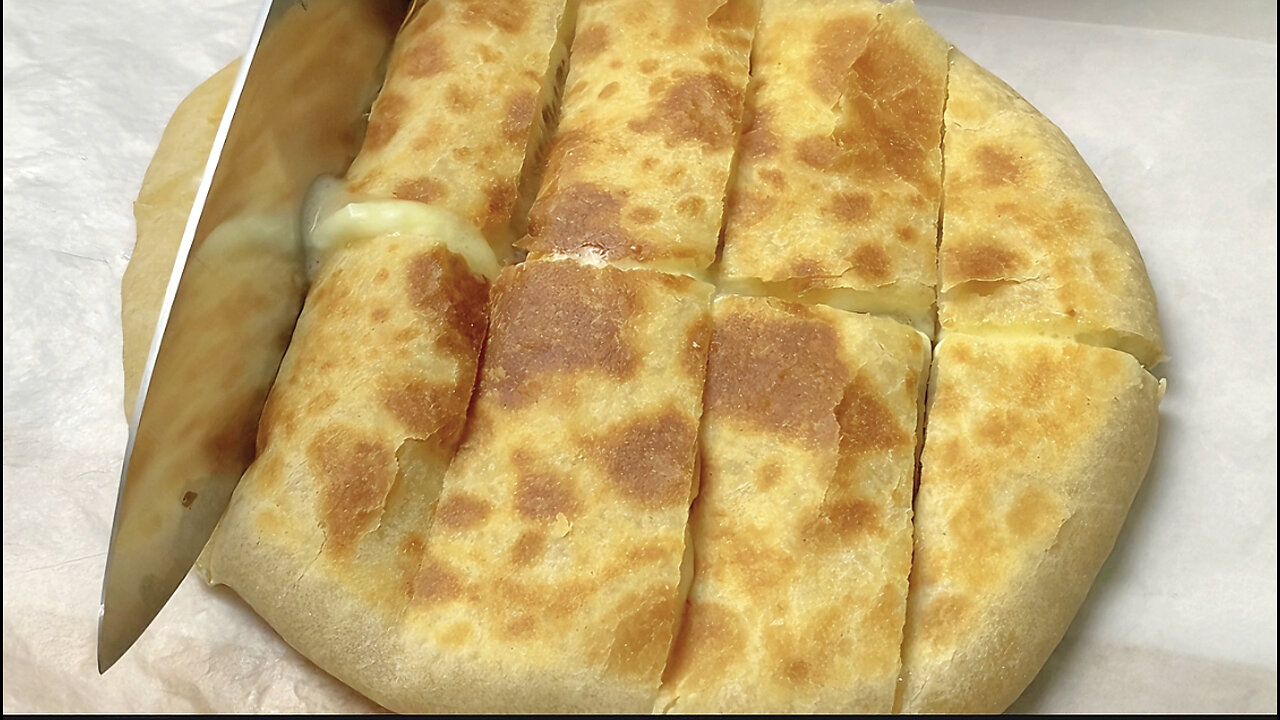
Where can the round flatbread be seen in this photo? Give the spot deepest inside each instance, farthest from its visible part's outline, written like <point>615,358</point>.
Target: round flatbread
<point>868,457</point>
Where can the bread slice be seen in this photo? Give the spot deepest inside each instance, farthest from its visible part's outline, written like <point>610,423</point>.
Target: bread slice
<point>1034,450</point>
<point>802,528</point>
<point>462,108</point>
<point>638,170</point>
<point>365,413</point>
<point>839,174</point>
<point>1030,241</point>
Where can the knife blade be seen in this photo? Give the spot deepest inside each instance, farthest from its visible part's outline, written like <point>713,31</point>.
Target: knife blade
<point>296,113</point>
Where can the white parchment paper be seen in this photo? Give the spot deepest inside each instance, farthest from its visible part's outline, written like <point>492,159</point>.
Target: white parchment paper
<point>1173,103</point>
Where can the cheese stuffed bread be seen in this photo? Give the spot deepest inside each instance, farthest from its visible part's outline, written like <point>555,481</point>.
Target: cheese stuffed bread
<point>867,455</point>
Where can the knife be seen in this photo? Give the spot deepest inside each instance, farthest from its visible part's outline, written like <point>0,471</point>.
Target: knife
<point>296,113</point>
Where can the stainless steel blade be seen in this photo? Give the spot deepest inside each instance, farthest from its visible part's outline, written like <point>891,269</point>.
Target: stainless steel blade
<point>296,112</point>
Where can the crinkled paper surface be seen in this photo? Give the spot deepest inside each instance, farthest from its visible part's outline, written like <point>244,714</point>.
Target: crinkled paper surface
<point>1172,102</point>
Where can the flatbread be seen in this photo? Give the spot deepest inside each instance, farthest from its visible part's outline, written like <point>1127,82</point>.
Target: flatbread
<point>638,169</point>
<point>471,505</point>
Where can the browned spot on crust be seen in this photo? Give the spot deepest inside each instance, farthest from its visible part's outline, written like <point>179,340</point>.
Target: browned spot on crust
<point>355,475</point>
<point>583,215</point>
<point>521,627</point>
<point>461,511</point>
<point>982,262</point>
<point>424,190</point>
<point>643,215</point>
<point>543,496</point>
<point>782,374</point>
<point>768,475</point>
<point>642,637</point>
<point>795,671</point>
<point>456,635</point>
<point>509,16</point>
<point>691,206</point>
<point>853,517</point>
<point>850,207</point>
<point>552,318</point>
<point>651,458</point>
<point>996,429</point>
<point>590,41</point>
<point>436,582</point>
<point>461,100</point>
<point>426,57</point>
<point>379,314</point>
<point>607,91</point>
<point>819,152</point>
<point>648,66</point>
<point>441,286</point>
<point>744,210</point>
<point>773,177</point>
<point>702,108</point>
<point>385,120</point>
<point>521,109</point>
<point>867,425</point>
<point>893,70</point>
<point>425,407</point>
<point>501,197</point>
<point>836,48</point>
<point>945,618</point>
<point>871,262</point>
<point>734,15</point>
<point>528,548</point>
<point>753,563</point>
<point>997,166</point>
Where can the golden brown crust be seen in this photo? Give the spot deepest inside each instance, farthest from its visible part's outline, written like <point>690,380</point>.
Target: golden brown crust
<point>638,169</point>
<point>1034,450</point>
<point>1031,243</point>
<point>839,176</point>
<point>802,528</point>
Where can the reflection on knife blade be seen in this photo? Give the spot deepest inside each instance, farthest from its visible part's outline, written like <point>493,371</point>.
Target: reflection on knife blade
<point>297,112</point>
